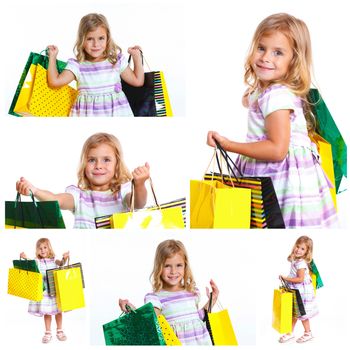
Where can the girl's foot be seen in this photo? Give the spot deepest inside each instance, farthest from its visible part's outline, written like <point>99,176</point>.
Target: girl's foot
<point>60,335</point>
<point>47,337</point>
<point>286,337</point>
<point>306,337</point>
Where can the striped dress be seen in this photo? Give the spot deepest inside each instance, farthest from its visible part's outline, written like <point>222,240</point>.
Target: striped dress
<point>181,311</point>
<point>48,305</point>
<point>301,186</point>
<point>100,89</point>
<point>91,204</point>
<point>305,288</point>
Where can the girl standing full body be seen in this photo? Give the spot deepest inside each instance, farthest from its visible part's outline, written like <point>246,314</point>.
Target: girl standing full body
<point>299,278</point>
<point>47,307</point>
<point>98,67</point>
<point>104,183</point>
<point>278,73</point>
<point>175,295</point>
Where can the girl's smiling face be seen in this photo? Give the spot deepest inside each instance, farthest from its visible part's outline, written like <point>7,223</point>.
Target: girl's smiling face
<point>43,250</point>
<point>300,250</point>
<point>100,167</point>
<point>95,44</point>
<point>173,273</point>
<point>272,57</point>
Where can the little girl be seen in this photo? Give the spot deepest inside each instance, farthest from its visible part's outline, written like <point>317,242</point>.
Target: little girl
<point>299,278</point>
<point>45,258</point>
<point>277,72</point>
<point>98,67</point>
<point>175,294</point>
<point>104,185</point>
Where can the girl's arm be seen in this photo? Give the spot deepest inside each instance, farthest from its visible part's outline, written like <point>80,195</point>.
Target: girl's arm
<point>273,149</point>
<point>65,256</point>
<point>54,79</point>
<point>140,175</point>
<point>134,77</point>
<point>299,279</point>
<point>65,200</point>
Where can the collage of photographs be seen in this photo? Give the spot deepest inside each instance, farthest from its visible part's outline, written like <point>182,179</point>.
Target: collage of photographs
<point>211,211</point>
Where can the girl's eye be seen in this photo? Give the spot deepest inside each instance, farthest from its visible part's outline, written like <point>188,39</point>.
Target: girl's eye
<point>102,38</point>
<point>106,160</point>
<point>91,160</point>
<point>278,53</point>
<point>260,48</point>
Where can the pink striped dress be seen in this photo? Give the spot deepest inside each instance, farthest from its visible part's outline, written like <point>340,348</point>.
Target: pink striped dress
<point>305,288</point>
<point>100,89</point>
<point>91,204</point>
<point>48,305</point>
<point>301,186</point>
<point>181,311</point>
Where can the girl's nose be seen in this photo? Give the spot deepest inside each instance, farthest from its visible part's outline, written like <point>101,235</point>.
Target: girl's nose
<point>265,57</point>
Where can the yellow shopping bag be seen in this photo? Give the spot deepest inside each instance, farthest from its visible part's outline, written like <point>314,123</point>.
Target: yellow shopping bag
<point>69,288</point>
<point>325,150</point>
<point>168,333</point>
<point>282,311</point>
<point>216,205</point>
<point>25,284</point>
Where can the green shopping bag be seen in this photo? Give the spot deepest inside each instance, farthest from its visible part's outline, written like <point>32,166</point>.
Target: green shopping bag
<point>27,265</point>
<point>138,327</point>
<point>33,214</point>
<point>30,69</point>
<point>327,128</point>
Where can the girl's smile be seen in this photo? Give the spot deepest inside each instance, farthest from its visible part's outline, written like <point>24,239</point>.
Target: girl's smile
<point>100,167</point>
<point>173,273</point>
<point>300,250</point>
<point>95,44</point>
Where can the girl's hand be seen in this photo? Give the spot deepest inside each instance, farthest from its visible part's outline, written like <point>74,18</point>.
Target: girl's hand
<point>123,303</point>
<point>141,174</point>
<point>215,292</point>
<point>214,136</point>
<point>23,255</point>
<point>135,51</point>
<point>24,187</point>
<point>65,256</point>
<point>52,51</point>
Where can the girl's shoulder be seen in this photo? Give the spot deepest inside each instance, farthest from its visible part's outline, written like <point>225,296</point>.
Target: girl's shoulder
<point>275,89</point>
<point>300,264</point>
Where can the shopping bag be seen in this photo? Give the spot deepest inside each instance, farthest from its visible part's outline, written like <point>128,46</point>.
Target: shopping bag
<point>138,327</point>
<point>327,128</point>
<point>216,205</point>
<point>317,280</point>
<point>265,209</point>
<point>154,217</point>
<point>25,284</point>
<point>21,99</point>
<point>26,265</point>
<point>50,102</point>
<point>282,311</point>
<point>325,151</point>
<point>51,289</point>
<point>169,335</point>
<point>151,99</point>
<point>69,288</point>
<point>298,305</point>
<point>104,222</point>
<point>219,326</point>
<point>33,214</point>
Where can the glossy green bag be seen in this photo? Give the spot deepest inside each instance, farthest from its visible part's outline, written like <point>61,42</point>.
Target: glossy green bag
<point>327,128</point>
<point>138,327</point>
<point>33,214</point>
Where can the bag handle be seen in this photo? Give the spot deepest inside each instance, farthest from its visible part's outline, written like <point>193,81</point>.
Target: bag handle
<point>284,283</point>
<point>143,60</point>
<point>19,200</point>
<point>132,195</point>
<point>210,305</point>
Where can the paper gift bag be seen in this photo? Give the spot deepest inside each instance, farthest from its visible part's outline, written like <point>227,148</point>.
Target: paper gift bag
<point>104,222</point>
<point>315,276</point>
<point>151,99</point>
<point>25,284</point>
<point>327,128</point>
<point>46,101</point>
<point>69,289</point>
<point>325,150</point>
<point>138,327</point>
<point>168,333</point>
<point>21,100</point>
<point>51,290</point>
<point>282,311</point>
<point>33,214</point>
<point>154,217</point>
<point>215,205</point>
<point>219,326</point>
<point>26,265</point>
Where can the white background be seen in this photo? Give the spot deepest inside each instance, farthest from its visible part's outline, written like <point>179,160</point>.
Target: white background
<point>201,47</point>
